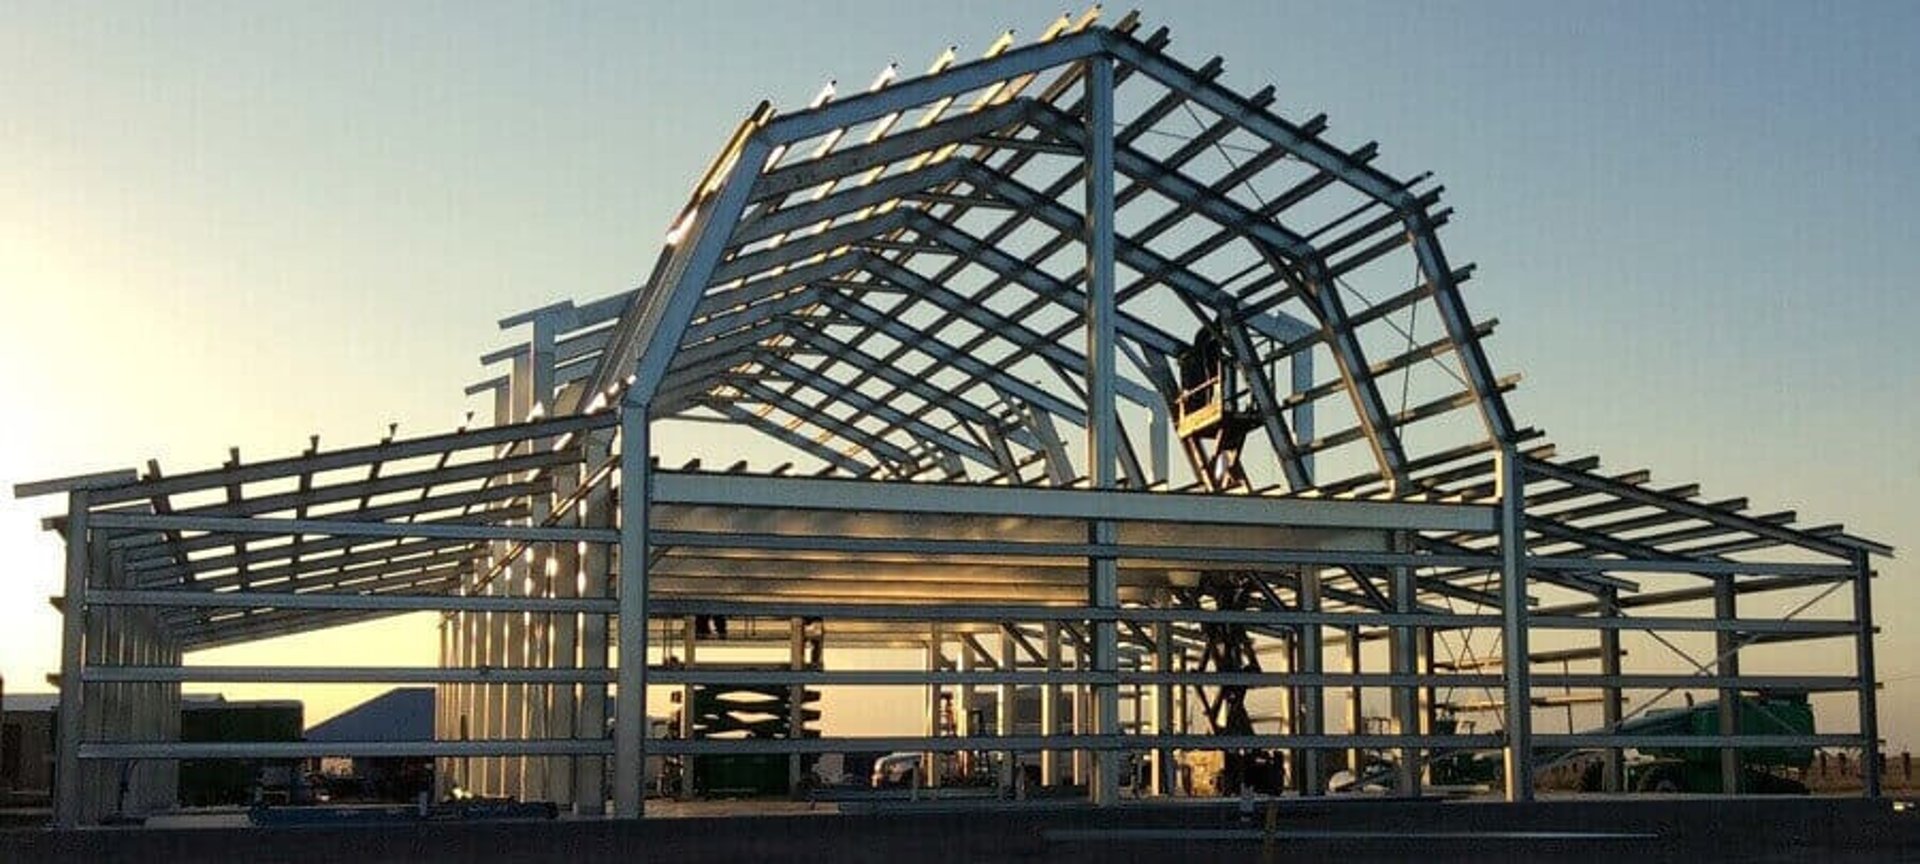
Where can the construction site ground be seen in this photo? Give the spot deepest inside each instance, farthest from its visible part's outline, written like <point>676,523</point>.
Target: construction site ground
<point>1669,828</point>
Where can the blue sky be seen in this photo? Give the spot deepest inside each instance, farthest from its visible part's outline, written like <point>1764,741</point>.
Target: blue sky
<point>239,224</point>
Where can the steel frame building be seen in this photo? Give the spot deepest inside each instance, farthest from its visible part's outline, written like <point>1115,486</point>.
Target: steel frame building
<point>1096,378</point>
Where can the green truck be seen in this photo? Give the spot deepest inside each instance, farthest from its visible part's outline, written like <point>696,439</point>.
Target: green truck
<point>1763,770</point>
<point>1698,769</point>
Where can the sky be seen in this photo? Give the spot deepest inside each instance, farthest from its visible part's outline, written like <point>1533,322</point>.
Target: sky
<point>239,224</point>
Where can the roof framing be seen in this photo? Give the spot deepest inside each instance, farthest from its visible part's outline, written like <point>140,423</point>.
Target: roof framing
<point>962,301</point>
<point>851,268</point>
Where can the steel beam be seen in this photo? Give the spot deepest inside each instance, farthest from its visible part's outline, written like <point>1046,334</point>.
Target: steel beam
<point>810,493</point>
<point>385,602</point>
<point>344,528</point>
<point>1738,742</point>
<point>1650,498</point>
<point>351,457</point>
<point>132,750</point>
<point>961,79</point>
<point>949,743</point>
<point>734,538</point>
<point>127,674</point>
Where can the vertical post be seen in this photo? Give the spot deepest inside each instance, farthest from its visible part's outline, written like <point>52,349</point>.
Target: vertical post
<point>445,705</point>
<point>1102,426</point>
<point>630,712</point>
<point>1726,646</point>
<point>134,710</point>
<point>1137,694</point>
<point>1312,702</point>
<point>93,701</point>
<point>796,696</point>
<point>146,718</point>
<point>1611,706</point>
<point>493,696</point>
<point>496,700</point>
<point>514,581</point>
<point>936,659</point>
<point>1080,711</point>
<point>1050,704</point>
<point>1104,787</point>
<point>73,629</point>
<point>1513,607</point>
<point>544,571</point>
<point>590,772</point>
<point>963,705</point>
<point>143,791</point>
<point>689,633</point>
<point>1429,694</point>
<point>1004,715</point>
<point>565,639</point>
<point>1182,696</point>
<point>175,657</point>
<point>1863,666</point>
<point>442,709</point>
<point>168,707</point>
<point>1163,707</point>
<point>1288,709</point>
<point>139,712</point>
<point>1405,649</point>
<point>467,693</point>
<point>108,706</point>
<point>1356,713</point>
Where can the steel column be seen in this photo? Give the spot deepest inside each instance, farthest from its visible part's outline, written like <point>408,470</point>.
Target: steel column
<point>630,712</point>
<point>1356,713</point>
<point>1404,646</point>
<point>963,704</point>
<point>1050,704</point>
<point>796,660</point>
<point>73,633</point>
<point>1513,602</point>
<point>1863,663</point>
<point>1103,428</point>
<point>1163,768</point>
<point>1611,705</point>
<point>93,706</point>
<point>936,660</point>
<point>1311,703</point>
<point>541,567</point>
<point>565,637</point>
<point>1726,646</point>
<point>590,770</point>
<point>1005,717</point>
